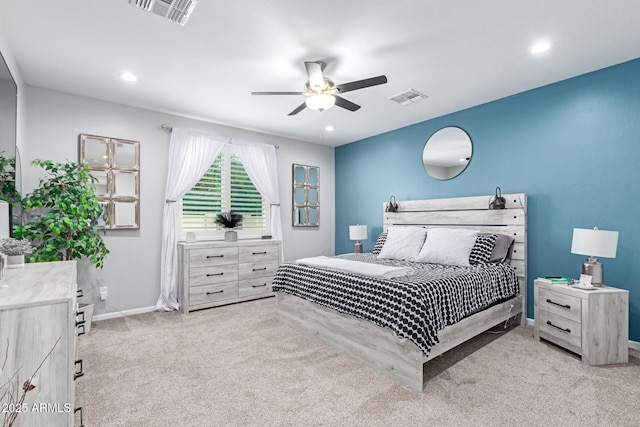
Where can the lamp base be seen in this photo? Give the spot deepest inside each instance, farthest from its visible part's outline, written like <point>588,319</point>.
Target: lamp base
<point>358,247</point>
<point>594,269</point>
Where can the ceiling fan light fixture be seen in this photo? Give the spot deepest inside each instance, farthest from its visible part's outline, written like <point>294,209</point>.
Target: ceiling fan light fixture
<point>320,102</point>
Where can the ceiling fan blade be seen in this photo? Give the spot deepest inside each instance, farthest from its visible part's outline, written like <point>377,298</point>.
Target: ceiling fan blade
<point>277,93</point>
<point>341,102</point>
<point>314,72</point>
<point>297,110</point>
<point>360,84</point>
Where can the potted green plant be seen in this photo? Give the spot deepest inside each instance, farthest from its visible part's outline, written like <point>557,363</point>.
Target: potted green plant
<point>8,190</point>
<point>15,250</point>
<point>63,226</point>
<point>229,221</point>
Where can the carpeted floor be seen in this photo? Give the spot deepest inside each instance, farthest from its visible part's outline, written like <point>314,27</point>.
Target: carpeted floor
<point>238,366</point>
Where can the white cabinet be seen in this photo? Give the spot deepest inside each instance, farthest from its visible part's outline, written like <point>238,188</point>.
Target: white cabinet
<point>592,323</point>
<point>216,273</point>
<point>38,316</point>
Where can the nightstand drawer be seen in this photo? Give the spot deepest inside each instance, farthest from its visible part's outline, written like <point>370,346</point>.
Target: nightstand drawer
<point>560,304</point>
<point>560,330</point>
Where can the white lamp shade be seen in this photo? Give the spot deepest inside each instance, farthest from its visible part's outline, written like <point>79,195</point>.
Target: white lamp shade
<point>595,243</point>
<point>357,232</point>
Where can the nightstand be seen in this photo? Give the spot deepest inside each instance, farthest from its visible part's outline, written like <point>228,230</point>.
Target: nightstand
<point>591,323</point>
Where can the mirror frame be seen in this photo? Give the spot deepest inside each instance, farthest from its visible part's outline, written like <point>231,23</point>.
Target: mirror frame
<point>304,212</point>
<point>9,148</point>
<point>112,198</point>
<point>454,155</point>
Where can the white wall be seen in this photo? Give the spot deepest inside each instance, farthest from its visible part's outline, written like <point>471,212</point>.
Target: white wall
<point>132,270</point>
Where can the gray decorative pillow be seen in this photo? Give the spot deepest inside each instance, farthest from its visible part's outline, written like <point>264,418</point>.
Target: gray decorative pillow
<point>503,249</point>
<point>482,249</point>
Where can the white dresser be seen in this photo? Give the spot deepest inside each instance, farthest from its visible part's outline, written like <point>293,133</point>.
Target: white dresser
<point>216,273</point>
<point>38,309</point>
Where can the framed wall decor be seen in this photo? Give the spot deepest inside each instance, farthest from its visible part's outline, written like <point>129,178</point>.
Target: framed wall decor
<point>306,196</point>
<point>115,163</point>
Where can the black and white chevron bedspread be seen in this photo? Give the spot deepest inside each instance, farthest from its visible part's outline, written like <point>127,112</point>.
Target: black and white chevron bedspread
<point>414,307</point>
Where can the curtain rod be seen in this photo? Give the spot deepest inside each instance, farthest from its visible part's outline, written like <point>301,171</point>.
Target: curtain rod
<point>169,129</point>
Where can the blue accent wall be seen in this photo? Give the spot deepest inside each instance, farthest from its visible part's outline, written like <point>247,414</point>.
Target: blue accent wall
<point>572,146</point>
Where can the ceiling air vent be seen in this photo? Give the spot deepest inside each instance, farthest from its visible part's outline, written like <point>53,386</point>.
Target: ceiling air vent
<point>177,11</point>
<point>409,97</point>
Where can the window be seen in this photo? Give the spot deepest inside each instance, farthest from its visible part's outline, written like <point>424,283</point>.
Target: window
<point>225,187</point>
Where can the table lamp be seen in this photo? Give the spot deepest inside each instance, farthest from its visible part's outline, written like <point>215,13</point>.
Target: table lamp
<point>594,243</point>
<point>358,232</point>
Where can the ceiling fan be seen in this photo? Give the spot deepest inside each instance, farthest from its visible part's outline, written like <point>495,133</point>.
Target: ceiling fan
<point>321,92</point>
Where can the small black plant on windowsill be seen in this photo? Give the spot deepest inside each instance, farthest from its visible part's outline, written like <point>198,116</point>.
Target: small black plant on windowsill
<point>229,220</point>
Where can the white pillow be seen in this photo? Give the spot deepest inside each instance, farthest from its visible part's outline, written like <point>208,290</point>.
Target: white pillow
<point>403,243</point>
<point>448,246</point>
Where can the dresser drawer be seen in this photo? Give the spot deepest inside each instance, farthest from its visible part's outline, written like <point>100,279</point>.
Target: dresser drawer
<point>212,293</point>
<point>252,287</point>
<point>259,253</point>
<point>257,269</point>
<point>560,304</point>
<point>561,330</point>
<point>212,275</point>
<point>212,256</point>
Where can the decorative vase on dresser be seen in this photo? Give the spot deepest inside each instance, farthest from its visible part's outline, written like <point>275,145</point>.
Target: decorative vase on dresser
<point>221,272</point>
<point>592,323</point>
<point>38,323</point>
<point>15,261</point>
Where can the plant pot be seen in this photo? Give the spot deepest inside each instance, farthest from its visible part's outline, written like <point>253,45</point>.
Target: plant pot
<point>230,236</point>
<point>15,261</point>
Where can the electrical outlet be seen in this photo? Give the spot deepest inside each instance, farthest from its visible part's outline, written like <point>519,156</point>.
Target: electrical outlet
<point>103,293</point>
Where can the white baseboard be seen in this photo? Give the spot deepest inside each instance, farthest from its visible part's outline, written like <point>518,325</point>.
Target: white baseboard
<point>632,344</point>
<point>105,316</point>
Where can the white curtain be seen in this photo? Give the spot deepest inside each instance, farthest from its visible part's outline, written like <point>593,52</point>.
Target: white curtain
<point>259,161</point>
<point>190,156</point>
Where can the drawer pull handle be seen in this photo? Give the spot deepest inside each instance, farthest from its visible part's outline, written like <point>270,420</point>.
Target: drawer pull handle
<point>80,317</point>
<point>80,372</point>
<point>214,274</point>
<point>79,293</point>
<point>81,330</point>
<point>259,269</point>
<point>75,411</point>
<point>567,306</point>
<point>259,286</point>
<point>215,256</point>
<point>558,327</point>
<point>259,253</point>
<point>215,292</point>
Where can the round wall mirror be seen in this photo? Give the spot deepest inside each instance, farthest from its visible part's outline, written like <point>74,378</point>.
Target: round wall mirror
<point>447,153</point>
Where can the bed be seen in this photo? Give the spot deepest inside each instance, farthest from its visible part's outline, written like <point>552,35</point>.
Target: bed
<point>397,325</point>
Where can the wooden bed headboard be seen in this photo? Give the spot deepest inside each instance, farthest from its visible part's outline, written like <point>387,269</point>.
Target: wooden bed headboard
<point>472,213</point>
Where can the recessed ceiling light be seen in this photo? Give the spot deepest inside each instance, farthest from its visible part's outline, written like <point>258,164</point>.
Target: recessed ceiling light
<point>129,77</point>
<point>540,47</point>
<point>329,128</point>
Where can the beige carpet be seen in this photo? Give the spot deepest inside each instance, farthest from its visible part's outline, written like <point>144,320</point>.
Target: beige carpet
<point>238,366</point>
